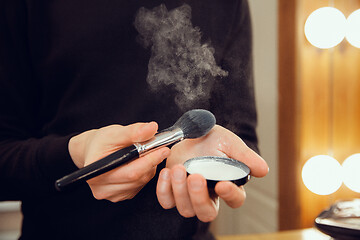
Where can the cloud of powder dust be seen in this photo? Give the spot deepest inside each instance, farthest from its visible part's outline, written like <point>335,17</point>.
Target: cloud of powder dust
<point>178,57</point>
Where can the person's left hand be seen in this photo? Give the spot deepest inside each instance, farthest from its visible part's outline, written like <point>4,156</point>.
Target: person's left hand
<point>190,194</point>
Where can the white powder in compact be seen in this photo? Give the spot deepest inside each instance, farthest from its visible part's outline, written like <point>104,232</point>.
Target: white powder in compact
<point>215,170</point>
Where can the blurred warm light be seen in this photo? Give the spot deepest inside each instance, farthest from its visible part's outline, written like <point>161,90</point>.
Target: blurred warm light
<point>325,27</point>
<point>351,172</point>
<point>353,29</point>
<point>322,175</point>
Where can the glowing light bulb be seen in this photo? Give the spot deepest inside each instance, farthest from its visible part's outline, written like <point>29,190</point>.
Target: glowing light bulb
<point>353,29</point>
<point>325,27</point>
<point>322,175</point>
<point>351,170</point>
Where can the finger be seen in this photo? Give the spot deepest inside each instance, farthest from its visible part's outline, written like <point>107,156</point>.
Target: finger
<point>119,191</point>
<point>103,190</point>
<point>240,151</point>
<point>137,168</point>
<point>164,191</point>
<point>181,194</point>
<point>115,192</point>
<point>126,135</point>
<point>258,166</point>
<point>144,131</point>
<point>233,195</point>
<point>205,208</point>
<point>125,196</point>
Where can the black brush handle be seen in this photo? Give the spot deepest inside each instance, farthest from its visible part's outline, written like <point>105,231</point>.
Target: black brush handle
<point>101,166</point>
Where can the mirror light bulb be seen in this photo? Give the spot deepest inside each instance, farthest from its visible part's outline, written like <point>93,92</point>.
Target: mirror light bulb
<point>353,29</point>
<point>325,27</point>
<point>351,170</point>
<point>322,175</point>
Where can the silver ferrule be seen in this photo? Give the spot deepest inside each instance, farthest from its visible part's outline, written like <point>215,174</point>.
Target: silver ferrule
<point>160,140</point>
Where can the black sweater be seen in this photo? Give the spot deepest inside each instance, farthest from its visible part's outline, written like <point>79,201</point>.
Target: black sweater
<point>69,66</point>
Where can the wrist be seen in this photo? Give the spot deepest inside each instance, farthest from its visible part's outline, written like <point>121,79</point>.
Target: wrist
<point>77,147</point>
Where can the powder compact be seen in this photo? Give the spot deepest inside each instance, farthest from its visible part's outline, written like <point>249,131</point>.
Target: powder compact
<point>215,169</point>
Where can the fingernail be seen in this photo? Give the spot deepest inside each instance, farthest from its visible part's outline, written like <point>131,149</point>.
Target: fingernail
<point>179,175</point>
<point>165,175</point>
<point>142,128</point>
<point>196,185</point>
<point>164,154</point>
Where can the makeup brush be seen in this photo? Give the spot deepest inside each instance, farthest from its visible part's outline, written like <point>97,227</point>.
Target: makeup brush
<point>192,124</point>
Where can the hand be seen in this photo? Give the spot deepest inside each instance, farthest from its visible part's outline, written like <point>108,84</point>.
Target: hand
<point>125,181</point>
<point>190,194</point>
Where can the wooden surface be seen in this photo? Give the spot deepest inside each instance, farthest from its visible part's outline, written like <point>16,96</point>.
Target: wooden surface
<point>330,106</point>
<point>319,109</point>
<point>288,118</point>
<point>306,234</point>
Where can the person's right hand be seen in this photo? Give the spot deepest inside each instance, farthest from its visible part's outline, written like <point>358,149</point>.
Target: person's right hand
<point>125,181</point>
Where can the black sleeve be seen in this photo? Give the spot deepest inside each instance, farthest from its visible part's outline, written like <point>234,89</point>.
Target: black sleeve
<point>29,162</point>
<point>233,100</point>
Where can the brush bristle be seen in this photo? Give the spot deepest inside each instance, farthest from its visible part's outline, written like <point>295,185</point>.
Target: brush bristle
<point>196,123</point>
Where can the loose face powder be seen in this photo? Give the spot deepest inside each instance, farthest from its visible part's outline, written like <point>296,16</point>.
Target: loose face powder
<point>216,169</point>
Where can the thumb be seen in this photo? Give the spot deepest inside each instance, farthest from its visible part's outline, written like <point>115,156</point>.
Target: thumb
<point>143,131</point>
<point>121,136</point>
